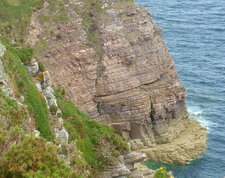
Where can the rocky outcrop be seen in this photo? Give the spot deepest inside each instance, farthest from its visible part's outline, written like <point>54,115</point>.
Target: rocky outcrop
<point>189,145</point>
<point>45,87</point>
<point>126,166</point>
<point>3,76</point>
<point>129,165</point>
<point>132,85</point>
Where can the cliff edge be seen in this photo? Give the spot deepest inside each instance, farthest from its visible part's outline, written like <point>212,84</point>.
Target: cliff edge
<point>111,58</point>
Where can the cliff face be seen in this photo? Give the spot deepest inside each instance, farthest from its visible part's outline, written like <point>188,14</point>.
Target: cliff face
<point>114,64</point>
<point>138,91</point>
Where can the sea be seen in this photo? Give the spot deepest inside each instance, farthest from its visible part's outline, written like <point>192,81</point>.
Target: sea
<point>194,31</point>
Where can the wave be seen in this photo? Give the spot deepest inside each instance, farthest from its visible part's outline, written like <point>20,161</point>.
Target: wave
<point>199,115</point>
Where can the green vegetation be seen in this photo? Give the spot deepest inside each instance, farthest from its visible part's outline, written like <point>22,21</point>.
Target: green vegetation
<point>53,109</point>
<point>161,173</point>
<point>24,53</point>
<point>25,86</point>
<point>41,66</point>
<point>56,12</point>
<point>90,14</point>
<point>25,156</point>
<point>10,109</point>
<point>100,146</point>
<point>33,157</point>
<point>15,16</point>
<point>7,103</point>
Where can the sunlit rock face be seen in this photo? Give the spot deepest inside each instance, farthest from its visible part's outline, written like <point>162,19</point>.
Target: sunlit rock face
<point>132,85</point>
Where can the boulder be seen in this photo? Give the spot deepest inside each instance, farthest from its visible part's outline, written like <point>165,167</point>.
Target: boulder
<point>62,135</point>
<point>33,67</point>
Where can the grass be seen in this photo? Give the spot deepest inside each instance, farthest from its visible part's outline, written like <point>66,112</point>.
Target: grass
<point>56,12</point>
<point>15,16</point>
<point>9,108</point>
<point>100,146</point>
<point>25,86</point>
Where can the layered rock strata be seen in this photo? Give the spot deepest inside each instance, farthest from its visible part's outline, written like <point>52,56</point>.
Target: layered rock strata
<point>190,144</point>
<point>133,86</point>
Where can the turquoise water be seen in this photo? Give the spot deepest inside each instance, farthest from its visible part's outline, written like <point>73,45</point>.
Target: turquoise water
<point>194,31</point>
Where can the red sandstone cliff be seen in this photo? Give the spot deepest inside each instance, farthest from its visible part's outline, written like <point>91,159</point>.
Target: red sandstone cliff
<point>124,76</point>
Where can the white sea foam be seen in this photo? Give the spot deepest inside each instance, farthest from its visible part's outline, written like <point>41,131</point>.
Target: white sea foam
<point>199,115</point>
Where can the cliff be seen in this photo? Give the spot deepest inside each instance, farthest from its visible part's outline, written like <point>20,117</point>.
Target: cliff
<point>111,58</point>
<point>105,57</point>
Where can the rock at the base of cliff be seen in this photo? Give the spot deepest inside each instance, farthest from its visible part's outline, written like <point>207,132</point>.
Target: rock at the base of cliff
<point>136,144</point>
<point>132,158</point>
<point>142,170</point>
<point>120,170</point>
<point>125,165</point>
<point>190,145</point>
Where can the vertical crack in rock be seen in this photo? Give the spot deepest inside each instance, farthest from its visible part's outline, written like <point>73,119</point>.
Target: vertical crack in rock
<point>152,113</point>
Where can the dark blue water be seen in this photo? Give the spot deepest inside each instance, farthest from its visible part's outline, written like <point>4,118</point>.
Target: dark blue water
<point>194,31</point>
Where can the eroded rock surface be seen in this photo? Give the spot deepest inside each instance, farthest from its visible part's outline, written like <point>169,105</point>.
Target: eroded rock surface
<point>126,166</point>
<point>3,76</point>
<point>133,86</point>
<point>189,145</point>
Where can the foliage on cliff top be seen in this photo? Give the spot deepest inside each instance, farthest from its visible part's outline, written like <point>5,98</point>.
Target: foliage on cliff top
<point>100,146</point>
<point>25,86</point>
<point>15,16</point>
<point>33,157</point>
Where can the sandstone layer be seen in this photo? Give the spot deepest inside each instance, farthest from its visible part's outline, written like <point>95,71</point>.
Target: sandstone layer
<point>189,145</point>
<point>129,81</point>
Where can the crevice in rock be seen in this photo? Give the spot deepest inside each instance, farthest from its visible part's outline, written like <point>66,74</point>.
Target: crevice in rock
<point>152,112</point>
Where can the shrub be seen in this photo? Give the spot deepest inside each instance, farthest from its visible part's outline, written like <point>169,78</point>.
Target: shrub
<point>33,157</point>
<point>9,136</point>
<point>161,173</point>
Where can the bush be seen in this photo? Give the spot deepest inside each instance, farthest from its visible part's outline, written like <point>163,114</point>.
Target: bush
<point>33,157</point>
<point>161,173</point>
<point>9,136</point>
